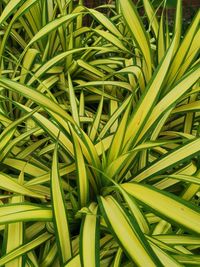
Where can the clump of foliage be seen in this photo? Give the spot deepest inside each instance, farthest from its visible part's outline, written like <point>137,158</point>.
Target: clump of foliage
<point>99,136</point>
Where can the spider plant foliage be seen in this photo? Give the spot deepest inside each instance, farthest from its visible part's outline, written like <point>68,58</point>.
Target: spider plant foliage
<point>99,135</point>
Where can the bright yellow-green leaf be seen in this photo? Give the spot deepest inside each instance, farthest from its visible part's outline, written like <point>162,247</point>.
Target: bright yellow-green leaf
<point>165,258</point>
<point>178,155</point>
<point>89,242</point>
<point>51,26</point>
<point>113,39</point>
<point>9,131</point>
<point>127,233</point>
<point>8,10</point>
<point>35,96</point>
<point>169,99</point>
<point>161,39</point>
<point>136,28</point>
<point>117,141</point>
<point>90,68</point>
<point>183,49</point>
<point>25,248</point>
<point>95,125</point>
<point>74,262</point>
<point>83,183</point>
<point>106,22</point>
<point>166,205</point>
<point>26,212</point>
<point>10,7</point>
<point>147,102</point>
<point>27,63</point>
<point>8,184</point>
<point>73,101</point>
<point>151,16</point>
<point>114,117</point>
<point>27,167</point>
<point>59,212</point>
<point>15,231</point>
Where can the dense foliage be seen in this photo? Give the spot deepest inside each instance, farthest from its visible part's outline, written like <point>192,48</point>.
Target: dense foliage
<point>99,136</point>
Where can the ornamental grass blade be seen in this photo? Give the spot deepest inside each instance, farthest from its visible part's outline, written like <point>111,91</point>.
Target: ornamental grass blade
<point>191,55</point>
<point>10,213</point>
<point>26,5</point>
<point>74,262</point>
<point>32,148</point>
<point>122,160</point>
<point>9,9</point>
<point>113,39</point>
<point>53,61</point>
<point>151,14</point>
<point>165,258</point>
<point>148,100</point>
<point>106,22</point>
<point>73,101</point>
<point>82,175</point>
<point>161,39</point>
<point>188,260</point>
<point>89,238</point>
<point>25,248</point>
<point>118,138</point>
<point>118,258</point>
<point>9,184</point>
<point>31,169</point>
<point>177,211</point>
<point>179,239</point>
<point>170,99</point>
<point>52,129</point>
<point>124,85</point>
<point>15,231</point>
<point>137,72</point>
<point>177,156</point>
<point>183,177</point>
<point>28,61</point>
<point>9,131</point>
<point>136,211</point>
<point>50,256</point>
<point>127,232</point>
<point>90,68</point>
<point>191,107</point>
<point>178,24</point>
<point>182,52</point>
<point>35,96</point>
<point>53,25</point>
<point>60,218</point>
<point>96,122</point>
<point>114,117</point>
<point>133,22</point>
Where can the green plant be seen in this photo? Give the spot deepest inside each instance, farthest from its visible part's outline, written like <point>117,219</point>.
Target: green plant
<point>99,136</point>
